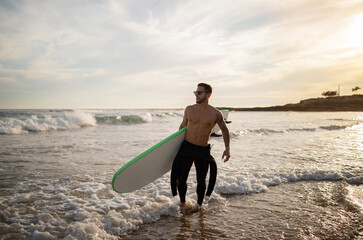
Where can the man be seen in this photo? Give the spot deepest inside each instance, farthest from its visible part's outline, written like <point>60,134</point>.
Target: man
<point>200,119</point>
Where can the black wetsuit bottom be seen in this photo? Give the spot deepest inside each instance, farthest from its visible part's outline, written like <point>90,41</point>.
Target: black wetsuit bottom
<point>183,161</point>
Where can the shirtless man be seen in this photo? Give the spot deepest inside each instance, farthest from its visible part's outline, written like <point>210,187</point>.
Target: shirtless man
<point>200,119</point>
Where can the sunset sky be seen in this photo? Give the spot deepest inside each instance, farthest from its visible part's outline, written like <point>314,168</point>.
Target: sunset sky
<point>152,54</point>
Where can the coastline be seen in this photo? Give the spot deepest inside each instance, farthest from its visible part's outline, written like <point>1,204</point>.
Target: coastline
<point>296,210</point>
<point>351,103</point>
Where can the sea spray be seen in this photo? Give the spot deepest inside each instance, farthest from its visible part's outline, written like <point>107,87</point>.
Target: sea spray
<point>80,118</point>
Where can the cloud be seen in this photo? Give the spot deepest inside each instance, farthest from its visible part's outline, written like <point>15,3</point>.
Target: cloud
<point>261,48</point>
<point>7,79</point>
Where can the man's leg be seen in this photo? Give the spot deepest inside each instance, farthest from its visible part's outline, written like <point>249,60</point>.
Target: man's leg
<point>201,166</point>
<point>184,168</point>
<point>174,175</point>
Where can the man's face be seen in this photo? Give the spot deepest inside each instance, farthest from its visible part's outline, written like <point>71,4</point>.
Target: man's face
<point>200,95</point>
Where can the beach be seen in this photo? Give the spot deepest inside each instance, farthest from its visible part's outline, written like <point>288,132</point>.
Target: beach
<point>292,175</point>
<point>301,210</point>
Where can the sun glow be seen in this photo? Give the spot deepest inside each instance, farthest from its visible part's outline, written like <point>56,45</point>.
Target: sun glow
<point>353,33</point>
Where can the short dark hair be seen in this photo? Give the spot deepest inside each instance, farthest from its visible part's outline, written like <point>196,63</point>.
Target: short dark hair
<point>207,87</point>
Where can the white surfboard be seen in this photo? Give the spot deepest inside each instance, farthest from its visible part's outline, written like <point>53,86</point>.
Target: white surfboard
<point>149,165</point>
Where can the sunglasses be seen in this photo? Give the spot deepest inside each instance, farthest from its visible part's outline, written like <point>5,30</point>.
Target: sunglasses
<point>199,92</point>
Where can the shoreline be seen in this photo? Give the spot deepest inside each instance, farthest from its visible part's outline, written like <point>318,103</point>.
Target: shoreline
<point>347,103</point>
<point>350,103</point>
<point>296,210</point>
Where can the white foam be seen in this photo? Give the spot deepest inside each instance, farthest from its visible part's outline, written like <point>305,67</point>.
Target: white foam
<point>125,119</point>
<point>355,195</point>
<point>242,183</point>
<point>147,117</point>
<point>81,118</point>
<point>42,235</point>
<point>70,120</point>
<point>84,230</point>
<point>93,209</point>
<point>83,207</point>
<point>167,114</point>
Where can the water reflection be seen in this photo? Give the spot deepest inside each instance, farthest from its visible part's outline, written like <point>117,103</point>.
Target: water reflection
<point>197,226</point>
<point>357,134</point>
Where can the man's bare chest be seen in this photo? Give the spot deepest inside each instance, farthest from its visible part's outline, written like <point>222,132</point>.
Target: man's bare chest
<point>206,120</point>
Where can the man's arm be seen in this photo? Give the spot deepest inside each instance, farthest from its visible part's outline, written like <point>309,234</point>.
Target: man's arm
<point>222,125</point>
<point>185,119</point>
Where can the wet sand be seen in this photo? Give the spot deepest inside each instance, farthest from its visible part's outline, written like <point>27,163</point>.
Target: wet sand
<point>300,210</point>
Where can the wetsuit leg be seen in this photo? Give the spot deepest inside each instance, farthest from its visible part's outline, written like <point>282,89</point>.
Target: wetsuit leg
<point>184,168</point>
<point>175,174</point>
<point>212,176</point>
<point>201,167</point>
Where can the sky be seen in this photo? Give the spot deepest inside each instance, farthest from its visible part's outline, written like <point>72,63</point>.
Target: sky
<point>152,54</point>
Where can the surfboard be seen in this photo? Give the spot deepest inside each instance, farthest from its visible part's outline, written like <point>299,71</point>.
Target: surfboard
<point>149,165</point>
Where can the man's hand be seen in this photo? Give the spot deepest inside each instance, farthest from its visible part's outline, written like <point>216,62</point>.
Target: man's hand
<point>226,155</point>
<point>222,125</point>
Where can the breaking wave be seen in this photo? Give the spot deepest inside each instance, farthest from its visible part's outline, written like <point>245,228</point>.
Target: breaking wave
<point>28,121</point>
<point>69,120</point>
<point>128,119</point>
<point>133,118</point>
<point>266,131</point>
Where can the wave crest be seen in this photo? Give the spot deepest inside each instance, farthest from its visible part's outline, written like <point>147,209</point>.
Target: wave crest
<point>265,131</point>
<point>245,183</point>
<point>127,119</point>
<point>70,120</point>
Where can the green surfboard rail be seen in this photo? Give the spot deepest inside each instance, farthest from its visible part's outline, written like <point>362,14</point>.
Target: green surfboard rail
<point>137,158</point>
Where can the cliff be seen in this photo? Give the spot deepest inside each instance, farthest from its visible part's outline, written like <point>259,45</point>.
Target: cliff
<point>341,103</point>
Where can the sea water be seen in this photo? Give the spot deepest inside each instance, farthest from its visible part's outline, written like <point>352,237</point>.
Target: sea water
<point>293,175</point>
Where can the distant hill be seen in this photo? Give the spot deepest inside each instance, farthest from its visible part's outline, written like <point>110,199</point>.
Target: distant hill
<point>341,103</point>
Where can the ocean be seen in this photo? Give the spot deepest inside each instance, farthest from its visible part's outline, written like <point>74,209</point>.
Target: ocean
<point>292,175</point>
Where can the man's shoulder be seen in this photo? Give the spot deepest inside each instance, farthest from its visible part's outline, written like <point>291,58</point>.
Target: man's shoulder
<point>211,109</point>
<point>214,110</point>
<point>190,107</point>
